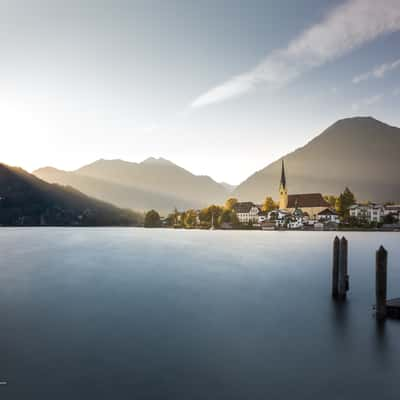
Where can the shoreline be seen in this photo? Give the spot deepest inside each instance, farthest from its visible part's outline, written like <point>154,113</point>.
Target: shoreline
<point>395,230</point>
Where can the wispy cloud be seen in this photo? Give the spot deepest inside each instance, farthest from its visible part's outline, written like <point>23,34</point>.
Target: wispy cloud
<point>378,72</point>
<point>345,28</point>
<point>368,101</point>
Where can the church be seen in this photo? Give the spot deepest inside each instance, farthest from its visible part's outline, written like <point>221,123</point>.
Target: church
<point>310,203</point>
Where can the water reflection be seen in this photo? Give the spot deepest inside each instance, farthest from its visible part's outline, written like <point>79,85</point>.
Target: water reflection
<point>380,331</point>
<point>381,341</point>
<point>340,312</point>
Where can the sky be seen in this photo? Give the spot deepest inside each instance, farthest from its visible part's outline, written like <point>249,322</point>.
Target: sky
<point>221,88</point>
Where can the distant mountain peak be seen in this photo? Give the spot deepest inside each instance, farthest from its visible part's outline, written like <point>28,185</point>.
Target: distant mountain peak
<point>359,152</point>
<point>359,121</point>
<point>156,161</point>
<point>153,183</point>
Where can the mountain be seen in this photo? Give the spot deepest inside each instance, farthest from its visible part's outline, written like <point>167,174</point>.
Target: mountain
<point>121,195</point>
<point>27,200</point>
<point>361,153</point>
<point>230,188</point>
<point>154,183</point>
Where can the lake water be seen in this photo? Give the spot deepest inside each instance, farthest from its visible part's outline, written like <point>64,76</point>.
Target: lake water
<point>167,314</point>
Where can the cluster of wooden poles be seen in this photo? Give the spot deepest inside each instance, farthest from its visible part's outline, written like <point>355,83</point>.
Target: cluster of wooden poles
<point>340,280</point>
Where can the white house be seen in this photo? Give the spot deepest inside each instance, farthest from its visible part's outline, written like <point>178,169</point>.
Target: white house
<point>247,212</point>
<point>262,218</point>
<point>278,214</point>
<point>367,212</point>
<point>328,215</point>
<point>393,210</point>
<point>285,219</point>
<point>376,213</point>
<point>295,224</point>
<point>359,211</point>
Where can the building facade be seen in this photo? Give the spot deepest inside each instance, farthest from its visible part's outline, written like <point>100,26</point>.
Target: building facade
<point>310,203</point>
<point>367,212</point>
<point>246,212</point>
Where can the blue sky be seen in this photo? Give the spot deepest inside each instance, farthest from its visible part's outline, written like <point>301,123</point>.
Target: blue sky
<point>219,87</point>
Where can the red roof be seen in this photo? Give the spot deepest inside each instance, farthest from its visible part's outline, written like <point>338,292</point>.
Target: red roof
<point>328,211</point>
<point>307,200</point>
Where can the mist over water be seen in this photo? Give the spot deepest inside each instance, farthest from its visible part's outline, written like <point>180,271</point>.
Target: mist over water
<point>169,314</point>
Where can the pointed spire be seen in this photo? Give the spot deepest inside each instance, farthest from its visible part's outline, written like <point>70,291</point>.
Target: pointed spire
<point>283,176</point>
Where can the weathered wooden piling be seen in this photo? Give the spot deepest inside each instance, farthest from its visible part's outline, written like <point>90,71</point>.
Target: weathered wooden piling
<point>343,279</point>
<point>335,268</point>
<point>340,277</point>
<point>346,258</point>
<point>381,283</point>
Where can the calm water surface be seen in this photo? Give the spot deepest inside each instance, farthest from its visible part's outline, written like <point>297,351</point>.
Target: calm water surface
<point>165,314</point>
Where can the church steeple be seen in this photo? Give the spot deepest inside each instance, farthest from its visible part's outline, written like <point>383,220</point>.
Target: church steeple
<point>283,192</point>
<point>283,176</point>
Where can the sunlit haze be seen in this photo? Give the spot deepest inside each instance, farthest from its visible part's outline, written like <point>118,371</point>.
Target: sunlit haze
<point>220,88</point>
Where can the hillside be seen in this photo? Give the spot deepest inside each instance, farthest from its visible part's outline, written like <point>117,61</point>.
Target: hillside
<point>360,152</point>
<point>153,183</point>
<point>27,200</point>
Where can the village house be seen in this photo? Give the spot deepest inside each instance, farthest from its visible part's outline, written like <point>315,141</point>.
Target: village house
<point>295,223</point>
<point>262,217</point>
<point>328,215</point>
<point>367,212</point>
<point>394,210</point>
<point>277,215</point>
<point>246,212</point>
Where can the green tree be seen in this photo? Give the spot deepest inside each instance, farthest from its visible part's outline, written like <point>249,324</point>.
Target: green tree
<point>230,203</point>
<point>339,205</point>
<point>207,213</point>
<point>176,216</point>
<point>268,204</point>
<point>343,203</point>
<point>331,199</point>
<point>234,218</point>
<point>190,218</point>
<point>170,220</point>
<point>228,216</point>
<point>152,219</point>
<point>181,219</point>
<point>389,219</point>
<point>225,216</point>
<point>348,197</point>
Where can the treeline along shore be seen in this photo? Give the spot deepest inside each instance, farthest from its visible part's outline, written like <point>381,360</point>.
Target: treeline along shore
<point>342,212</point>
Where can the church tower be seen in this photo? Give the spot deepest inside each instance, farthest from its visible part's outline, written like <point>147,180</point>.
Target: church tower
<point>283,193</point>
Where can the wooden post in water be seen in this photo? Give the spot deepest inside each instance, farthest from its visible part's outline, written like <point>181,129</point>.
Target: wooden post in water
<point>381,283</point>
<point>335,268</point>
<point>346,262</point>
<point>343,283</point>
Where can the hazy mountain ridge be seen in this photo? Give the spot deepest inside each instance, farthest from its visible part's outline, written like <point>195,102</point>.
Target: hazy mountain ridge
<point>156,175</point>
<point>359,152</point>
<point>153,183</point>
<point>121,195</point>
<point>230,188</point>
<point>28,200</point>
